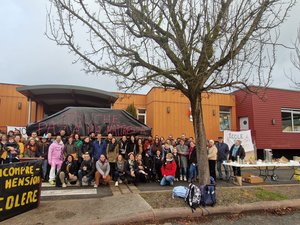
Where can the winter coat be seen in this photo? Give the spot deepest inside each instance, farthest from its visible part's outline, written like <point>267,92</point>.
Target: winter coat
<point>212,153</point>
<point>169,168</point>
<point>87,147</point>
<point>87,167</point>
<point>112,152</point>
<point>71,149</point>
<point>193,156</point>
<point>103,168</point>
<point>43,149</point>
<point>68,167</point>
<point>223,151</point>
<point>131,147</point>
<point>31,150</point>
<point>240,152</point>
<point>56,153</point>
<point>98,149</point>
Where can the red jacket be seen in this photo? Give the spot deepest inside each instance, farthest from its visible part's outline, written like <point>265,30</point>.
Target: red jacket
<point>169,169</point>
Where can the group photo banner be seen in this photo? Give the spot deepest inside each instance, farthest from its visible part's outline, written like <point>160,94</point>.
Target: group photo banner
<point>20,187</point>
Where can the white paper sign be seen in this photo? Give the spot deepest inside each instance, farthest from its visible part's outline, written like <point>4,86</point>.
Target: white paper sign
<point>245,136</point>
<point>21,129</point>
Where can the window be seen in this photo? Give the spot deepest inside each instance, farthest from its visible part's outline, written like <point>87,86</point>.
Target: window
<point>290,119</point>
<point>141,115</point>
<point>225,118</point>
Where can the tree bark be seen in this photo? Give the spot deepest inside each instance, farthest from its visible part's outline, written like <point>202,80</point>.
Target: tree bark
<point>200,138</point>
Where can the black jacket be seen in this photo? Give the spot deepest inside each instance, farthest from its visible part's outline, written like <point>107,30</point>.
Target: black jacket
<point>72,168</point>
<point>42,150</point>
<point>240,152</point>
<point>193,157</point>
<point>87,167</point>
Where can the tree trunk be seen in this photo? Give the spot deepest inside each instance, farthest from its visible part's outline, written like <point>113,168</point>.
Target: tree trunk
<point>200,139</point>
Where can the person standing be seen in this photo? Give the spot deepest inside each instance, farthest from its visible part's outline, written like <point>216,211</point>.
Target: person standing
<point>237,151</point>
<point>55,158</point>
<point>183,152</point>
<point>212,158</point>
<point>223,152</point>
<point>193,167</point>
<point>99,147</point>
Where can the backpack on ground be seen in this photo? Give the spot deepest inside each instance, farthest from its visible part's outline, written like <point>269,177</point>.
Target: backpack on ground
<point>180,192</point>
<point>208,194</point>
<point>193,198</point>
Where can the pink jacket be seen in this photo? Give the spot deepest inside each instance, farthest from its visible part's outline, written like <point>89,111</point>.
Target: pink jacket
<point>56,153</point>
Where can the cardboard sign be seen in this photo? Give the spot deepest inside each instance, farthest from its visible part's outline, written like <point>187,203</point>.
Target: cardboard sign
<point>20,187</point>
<point>21,129</point>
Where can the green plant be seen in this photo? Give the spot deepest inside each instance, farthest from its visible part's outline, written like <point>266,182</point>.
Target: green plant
<point>131,110</point>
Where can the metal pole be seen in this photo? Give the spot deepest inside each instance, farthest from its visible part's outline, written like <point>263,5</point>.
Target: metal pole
<point>29,111</point>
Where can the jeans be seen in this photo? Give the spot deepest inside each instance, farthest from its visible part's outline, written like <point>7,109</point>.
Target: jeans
<point>82,174</point>
<point>183,171</point>
<point>219,168</point>
<point>45,165</point>
<point>193,172</point>
<point>166,180</point>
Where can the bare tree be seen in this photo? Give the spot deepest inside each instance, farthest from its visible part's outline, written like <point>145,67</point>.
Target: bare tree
<point>194,46</point>
<point>295,58</point>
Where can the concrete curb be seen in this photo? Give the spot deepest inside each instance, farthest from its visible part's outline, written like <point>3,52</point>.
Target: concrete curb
<point>185,212</point>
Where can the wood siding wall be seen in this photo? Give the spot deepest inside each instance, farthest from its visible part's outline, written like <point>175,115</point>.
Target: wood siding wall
<point>177,121</point>
<point>10,115</point>
<point>261,111</point>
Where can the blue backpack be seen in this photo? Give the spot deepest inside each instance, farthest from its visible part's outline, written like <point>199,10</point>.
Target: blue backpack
<point>180,191</point>
<point>208,194</point>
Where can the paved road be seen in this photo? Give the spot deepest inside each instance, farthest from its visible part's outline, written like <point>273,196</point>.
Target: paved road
<point>250,219</point>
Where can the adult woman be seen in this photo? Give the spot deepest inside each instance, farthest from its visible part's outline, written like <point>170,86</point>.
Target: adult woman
<point>55,157</point>
<point>156,146</point>
<point>131,145</point>
<point>68,172</point>
<point>31,149</point>
<point>123,147</point>
<point>71,149</point>
<point>168,171</point>
<point>237,151</point>
<point>157,163</point>
<point>77,141</point>
<point>112,152</point>
<point>3,152</point>
<point>20,144</point>
<point>139,146</point>
<point>182,150</point>
<point>142,172</point>
<point>12,149</point>
<point>87,146</point>
<point>193,171</point>
<point>42,152</point>
<point>102,171</point>
<point>131,169</point>
<point>119,170</point>
<point>212,158</point>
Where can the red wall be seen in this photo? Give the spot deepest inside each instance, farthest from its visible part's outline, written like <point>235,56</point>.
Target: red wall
<point>261,110</point>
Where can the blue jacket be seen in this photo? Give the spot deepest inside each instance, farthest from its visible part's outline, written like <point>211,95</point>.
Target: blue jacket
<point>223,151</point>
<point>99,149</point>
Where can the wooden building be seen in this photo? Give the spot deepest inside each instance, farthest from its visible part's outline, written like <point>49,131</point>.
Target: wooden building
<point>165,111</point>
<point>273,116</point>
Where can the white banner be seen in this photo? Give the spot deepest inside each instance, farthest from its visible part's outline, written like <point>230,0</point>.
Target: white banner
<point>245,136</point>
<point>21,129</point>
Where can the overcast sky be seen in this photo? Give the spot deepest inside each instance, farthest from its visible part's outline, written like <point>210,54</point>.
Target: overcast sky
<point>27,57</point>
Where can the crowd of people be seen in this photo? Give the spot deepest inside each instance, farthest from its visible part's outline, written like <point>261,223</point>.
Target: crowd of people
<point>95,160</point>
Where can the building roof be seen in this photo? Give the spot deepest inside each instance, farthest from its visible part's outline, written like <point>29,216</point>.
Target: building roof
<point>56,97</point>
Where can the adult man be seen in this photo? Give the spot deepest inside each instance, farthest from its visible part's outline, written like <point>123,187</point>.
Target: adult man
<point>223,151</point>
<point>63,135</point>
<point>87,170</point>
<point>99,147</point>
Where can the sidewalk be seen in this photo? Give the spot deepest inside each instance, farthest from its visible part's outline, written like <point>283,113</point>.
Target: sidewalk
<point>124,208</point>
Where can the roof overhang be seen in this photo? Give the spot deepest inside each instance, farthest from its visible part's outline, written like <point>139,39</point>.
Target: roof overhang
<point>56,97</point>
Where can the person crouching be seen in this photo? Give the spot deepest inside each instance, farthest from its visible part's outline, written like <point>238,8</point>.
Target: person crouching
<point>168,170</point>
<point>102,171</point>
<point>87,170</point>
<point>68,172</point>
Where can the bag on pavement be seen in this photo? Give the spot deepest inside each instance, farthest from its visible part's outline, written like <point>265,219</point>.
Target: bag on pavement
<point>180,191</point>
<point>193,198</point>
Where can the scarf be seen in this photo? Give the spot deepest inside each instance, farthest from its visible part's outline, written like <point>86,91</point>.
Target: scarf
<point>234,151</point>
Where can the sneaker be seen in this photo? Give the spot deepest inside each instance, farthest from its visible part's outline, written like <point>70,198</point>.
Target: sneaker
<point>52,182</point>
<point>184,178</point>
<point>120,181</point>
<point>171,183</point>
<point>116,184</point>
<point>180,178</point>
<point>64,185</point>
<point>95,185</point>
<point>176,179</point>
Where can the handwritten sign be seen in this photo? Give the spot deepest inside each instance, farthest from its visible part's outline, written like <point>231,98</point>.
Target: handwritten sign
<point>21,129</point>
<point>19,187</point>
<point>245,136</point>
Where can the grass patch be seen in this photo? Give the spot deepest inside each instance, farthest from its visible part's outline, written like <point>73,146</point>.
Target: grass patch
<point>266,195</point>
